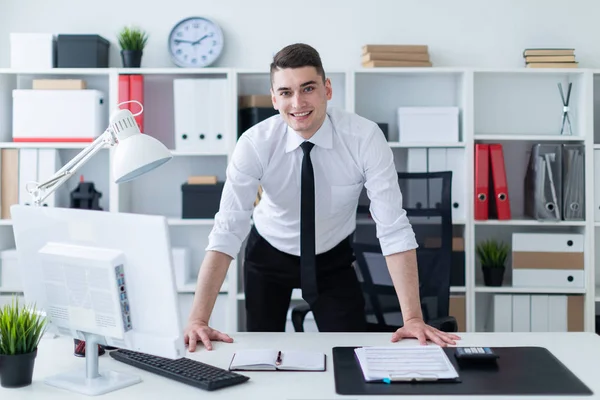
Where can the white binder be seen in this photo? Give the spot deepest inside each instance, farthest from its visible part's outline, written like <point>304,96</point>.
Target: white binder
<point>28,172</point>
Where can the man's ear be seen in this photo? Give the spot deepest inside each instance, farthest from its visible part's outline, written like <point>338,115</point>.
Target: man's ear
<point>328,89</point>
<point>274,99</point>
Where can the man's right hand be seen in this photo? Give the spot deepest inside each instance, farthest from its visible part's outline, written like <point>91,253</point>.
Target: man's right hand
<point>201,332</point>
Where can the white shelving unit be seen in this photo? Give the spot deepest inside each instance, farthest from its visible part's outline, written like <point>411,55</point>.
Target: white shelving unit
<point>516,107</point>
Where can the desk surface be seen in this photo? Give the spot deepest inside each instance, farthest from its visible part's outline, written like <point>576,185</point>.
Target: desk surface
<point>580,352</point>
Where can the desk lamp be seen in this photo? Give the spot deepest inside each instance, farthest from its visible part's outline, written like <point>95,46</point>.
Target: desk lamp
<point>135,154</point>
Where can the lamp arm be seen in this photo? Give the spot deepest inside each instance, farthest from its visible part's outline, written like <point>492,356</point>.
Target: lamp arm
<point>42,190</point>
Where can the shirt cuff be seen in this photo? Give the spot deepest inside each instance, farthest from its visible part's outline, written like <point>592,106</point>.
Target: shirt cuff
<point>399,241</point>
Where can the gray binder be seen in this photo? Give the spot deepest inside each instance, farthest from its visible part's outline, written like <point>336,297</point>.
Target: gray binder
<point>573,182</point>
<point>543,193</point>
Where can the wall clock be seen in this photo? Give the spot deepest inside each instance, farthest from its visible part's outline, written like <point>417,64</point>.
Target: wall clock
<point>195,42</point>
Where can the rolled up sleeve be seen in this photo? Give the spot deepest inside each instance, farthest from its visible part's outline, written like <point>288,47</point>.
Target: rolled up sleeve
<point>393,228</point>
<point>232,221</point>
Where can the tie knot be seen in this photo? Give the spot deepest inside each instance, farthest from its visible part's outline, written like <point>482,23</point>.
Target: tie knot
<point>307,147</point>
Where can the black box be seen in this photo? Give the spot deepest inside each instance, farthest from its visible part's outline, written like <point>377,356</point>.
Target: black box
<point>82,51</point>
<point>200,201</point>
<point>248,117</point>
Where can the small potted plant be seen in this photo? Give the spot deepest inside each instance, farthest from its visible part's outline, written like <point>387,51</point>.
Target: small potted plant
<point>132,41</point>
<point>21,329</point>
<point>492,256</point>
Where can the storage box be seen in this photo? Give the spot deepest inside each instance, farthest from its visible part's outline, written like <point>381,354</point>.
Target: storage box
<point>200,201</point>
<point>82,51</point>
<point>9,270</point>
<point>428,124</point>
<point>248,117</point>
<point>548,260</point>
<point>32,50</point>
<point>58,115</point>
<point>181,265</point>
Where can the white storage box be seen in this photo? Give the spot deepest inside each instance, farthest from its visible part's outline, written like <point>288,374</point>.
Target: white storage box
<point>32,50</point>
<point>428,124</point>
<point>58,115</point>
<point>181,265</point>
<point>9,270</point>
<point>553,260</point>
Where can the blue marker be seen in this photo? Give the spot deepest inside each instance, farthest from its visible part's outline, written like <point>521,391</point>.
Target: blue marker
<point>387,380</point>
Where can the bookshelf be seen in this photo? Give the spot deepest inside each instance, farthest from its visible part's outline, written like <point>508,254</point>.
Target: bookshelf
<point>515,107</point>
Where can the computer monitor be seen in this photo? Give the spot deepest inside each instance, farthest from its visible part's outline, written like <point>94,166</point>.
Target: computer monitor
<point>102,277</point>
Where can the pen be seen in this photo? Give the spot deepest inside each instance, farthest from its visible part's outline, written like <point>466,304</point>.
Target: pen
<point>278,361</point>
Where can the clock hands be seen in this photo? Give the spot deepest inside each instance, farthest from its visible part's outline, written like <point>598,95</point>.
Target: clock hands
<point>194,42</point>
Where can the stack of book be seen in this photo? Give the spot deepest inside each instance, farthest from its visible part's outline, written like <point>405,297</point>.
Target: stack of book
<point>395,55</point>
<point>550,58</point>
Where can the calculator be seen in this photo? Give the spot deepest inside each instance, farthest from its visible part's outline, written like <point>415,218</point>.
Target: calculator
<point>476,354</point>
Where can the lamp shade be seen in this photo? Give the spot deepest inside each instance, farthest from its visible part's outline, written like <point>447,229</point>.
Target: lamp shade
<point>136,153</point>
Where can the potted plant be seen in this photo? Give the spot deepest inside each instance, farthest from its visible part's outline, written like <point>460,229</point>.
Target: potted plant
<point>132,41</point>
<point>21,329</point>
<point>492,256</point>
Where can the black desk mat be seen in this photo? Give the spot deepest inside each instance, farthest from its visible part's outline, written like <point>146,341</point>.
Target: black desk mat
<point>519,371</point>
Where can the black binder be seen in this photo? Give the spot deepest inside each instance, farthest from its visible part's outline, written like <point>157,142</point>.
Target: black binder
<point>519,371</point>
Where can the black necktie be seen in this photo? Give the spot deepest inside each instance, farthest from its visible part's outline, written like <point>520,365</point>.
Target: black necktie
<point>308,264</point>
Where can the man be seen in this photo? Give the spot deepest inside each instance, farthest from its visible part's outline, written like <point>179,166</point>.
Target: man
<point>312,164</point>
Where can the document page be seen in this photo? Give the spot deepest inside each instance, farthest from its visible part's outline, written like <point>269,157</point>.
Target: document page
<point>405,363</point>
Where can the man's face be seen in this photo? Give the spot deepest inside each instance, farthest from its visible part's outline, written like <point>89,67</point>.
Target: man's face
<point>301,98</point>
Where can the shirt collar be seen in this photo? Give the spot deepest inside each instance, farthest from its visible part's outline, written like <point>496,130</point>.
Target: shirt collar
<point>323,137</point>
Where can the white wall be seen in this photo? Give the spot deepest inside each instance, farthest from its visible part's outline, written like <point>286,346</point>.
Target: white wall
<point>459,32</point>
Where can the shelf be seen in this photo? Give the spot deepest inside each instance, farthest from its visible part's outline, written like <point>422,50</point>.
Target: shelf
<point>174,71</point>
<point>532,138</point>
<point>190,221</point>
<point>10,290</point>
<point>510,289</point>
<point>398,145</point>
<point>58,71</point>
<point>528,222</point>
<point>45,145</point>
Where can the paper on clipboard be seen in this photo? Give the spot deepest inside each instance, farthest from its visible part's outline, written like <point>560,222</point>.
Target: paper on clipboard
<point>399,363</point>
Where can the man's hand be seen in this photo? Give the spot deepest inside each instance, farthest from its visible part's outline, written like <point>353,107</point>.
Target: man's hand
<point>416,328</point>
<point>201,332</point>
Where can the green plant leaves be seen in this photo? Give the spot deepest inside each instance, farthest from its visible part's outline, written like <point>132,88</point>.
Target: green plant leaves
<point>132,38</point>
<point>21,328</point>
<point>492,253</point>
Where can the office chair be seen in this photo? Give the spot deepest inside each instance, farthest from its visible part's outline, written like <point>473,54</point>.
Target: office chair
<point>428,203</point>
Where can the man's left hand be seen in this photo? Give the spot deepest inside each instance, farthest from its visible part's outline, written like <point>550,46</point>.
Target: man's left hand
<point>416,328</point>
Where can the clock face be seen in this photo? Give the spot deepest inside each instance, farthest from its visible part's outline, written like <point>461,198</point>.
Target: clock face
<point>195,42</point>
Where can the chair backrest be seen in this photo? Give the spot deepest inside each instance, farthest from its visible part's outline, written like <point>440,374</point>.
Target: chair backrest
<point>427,201</point>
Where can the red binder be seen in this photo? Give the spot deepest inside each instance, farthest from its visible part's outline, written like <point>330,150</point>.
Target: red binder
<point>124,91</point>
<point>482,176</point>
<point>136,92</point>
<point>131,87</point>
<point>499,182</point>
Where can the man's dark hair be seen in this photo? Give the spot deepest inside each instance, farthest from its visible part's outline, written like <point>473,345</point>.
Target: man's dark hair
<point>296,56</point>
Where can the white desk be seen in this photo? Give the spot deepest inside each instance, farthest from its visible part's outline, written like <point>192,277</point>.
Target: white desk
<point>580,352</point>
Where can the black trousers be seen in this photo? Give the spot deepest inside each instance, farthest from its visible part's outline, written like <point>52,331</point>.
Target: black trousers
<point>270,276</point>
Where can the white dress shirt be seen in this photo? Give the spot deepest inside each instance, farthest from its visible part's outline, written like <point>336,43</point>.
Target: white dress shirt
<point>350,151</point>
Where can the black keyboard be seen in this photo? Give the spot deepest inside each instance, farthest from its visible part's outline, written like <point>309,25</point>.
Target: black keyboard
<point>184,370</point>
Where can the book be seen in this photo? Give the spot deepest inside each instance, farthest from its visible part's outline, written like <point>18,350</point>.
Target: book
<point>273,360</point>
<point>405,363</point>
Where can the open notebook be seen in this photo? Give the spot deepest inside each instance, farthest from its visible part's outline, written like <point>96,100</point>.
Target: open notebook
<point>272,360</point>
<point>405,363</point>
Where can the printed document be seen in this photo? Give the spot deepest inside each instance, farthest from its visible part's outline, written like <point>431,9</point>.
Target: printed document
<point>398,363</point>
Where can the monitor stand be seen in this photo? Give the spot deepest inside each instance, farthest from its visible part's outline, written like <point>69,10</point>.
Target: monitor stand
<point>91,382</point>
